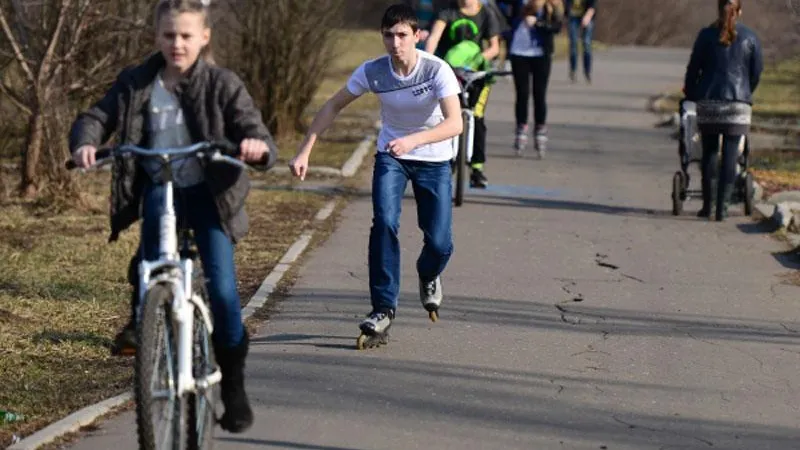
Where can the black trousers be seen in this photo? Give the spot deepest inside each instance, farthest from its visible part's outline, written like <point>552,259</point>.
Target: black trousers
<point>727,175</point>
<point>531,72</point>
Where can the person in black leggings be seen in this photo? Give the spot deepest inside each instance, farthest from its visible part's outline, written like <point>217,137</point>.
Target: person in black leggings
<point>531,54</point>
<point>723,72</point>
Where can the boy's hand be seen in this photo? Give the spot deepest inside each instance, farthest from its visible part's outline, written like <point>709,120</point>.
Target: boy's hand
<point>252,150</point>
<point>401,146</point>
<point>84,156</point>
<point>299,165</point>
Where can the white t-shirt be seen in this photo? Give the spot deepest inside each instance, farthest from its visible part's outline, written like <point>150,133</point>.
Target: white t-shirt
<point>409,104</point>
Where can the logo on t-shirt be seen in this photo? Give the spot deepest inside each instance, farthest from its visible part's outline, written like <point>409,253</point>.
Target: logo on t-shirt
<point>425,88</point>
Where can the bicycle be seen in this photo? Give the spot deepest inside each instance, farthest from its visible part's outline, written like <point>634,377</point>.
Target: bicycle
<point>174,323</point>
<point>463,144</point>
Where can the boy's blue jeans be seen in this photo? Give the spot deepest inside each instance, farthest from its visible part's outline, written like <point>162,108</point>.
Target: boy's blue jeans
<point>577,32</point>
<point>196,207</point>
<point>432,185</point>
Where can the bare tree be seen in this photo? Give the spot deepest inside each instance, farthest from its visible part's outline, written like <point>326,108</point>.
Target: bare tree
<point>284,48</point>
<point>58,53</point>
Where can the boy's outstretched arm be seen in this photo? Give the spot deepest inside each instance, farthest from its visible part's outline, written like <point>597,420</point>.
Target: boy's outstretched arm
<point>323,120</point>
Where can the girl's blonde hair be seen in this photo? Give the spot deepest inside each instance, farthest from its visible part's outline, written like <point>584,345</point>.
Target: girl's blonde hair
<point>174,7</point>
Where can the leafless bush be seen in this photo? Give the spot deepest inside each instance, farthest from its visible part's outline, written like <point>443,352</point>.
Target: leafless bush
<point>281,49</point>
<point>56,54</point>
<point>677,22</point>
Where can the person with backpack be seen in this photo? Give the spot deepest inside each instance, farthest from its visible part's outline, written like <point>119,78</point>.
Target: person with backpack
<point>456,32</point>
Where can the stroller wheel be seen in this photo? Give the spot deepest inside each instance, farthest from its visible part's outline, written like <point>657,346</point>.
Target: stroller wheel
<point>749,194</point>
<point>678,193</point>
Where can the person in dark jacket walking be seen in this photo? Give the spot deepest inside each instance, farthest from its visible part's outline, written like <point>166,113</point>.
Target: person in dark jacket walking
<point>723,72</point>
<point>531,48</point>
<point>178,97</point>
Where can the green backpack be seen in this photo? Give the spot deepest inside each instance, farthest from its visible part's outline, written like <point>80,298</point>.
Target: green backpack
<point>466,54</point>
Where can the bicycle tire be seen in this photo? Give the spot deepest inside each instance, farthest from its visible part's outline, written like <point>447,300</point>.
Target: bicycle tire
<point>461,165</point>
<point>202,408</point>
<point>154,327</point>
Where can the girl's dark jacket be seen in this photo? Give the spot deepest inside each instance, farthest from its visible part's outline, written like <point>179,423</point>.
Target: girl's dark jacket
<point>216,107</point>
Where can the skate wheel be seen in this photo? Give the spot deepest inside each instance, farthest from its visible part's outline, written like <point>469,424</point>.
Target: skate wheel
<point>361,341</point>
<point>434,316</point>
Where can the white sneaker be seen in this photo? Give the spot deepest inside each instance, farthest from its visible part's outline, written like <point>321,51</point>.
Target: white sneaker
<point>540,141</point>
<point>430,294</point>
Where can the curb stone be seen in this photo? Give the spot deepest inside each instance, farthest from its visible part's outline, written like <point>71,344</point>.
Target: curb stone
<point>88,415</point>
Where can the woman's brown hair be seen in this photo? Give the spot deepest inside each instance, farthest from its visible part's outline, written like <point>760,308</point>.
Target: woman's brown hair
<point>533,6</point>
<point>166,7</point>
<point>728,14</point>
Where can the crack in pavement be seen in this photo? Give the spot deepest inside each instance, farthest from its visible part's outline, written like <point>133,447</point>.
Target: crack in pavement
<point>600,260</point>
<point>591,350</point>
<point>634,426</point>
<point>632,277</point>
<point>354,275</point>
<point>789,329</point>
<point>561,387</point>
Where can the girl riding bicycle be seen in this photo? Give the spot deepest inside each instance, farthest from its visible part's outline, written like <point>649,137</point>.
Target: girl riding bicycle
<point>178,97</point>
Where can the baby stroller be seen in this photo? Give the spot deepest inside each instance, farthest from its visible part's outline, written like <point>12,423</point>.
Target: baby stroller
<point>690,149</point>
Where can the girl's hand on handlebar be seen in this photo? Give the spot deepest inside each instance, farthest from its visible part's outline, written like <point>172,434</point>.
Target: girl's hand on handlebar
<point>252,150</point>
<point>84,156</point>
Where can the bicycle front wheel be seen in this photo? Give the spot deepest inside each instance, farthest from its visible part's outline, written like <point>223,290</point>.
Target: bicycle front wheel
<point>160,412</point>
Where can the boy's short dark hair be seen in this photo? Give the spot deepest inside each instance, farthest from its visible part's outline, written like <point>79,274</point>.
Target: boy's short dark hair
<point>399,13</point>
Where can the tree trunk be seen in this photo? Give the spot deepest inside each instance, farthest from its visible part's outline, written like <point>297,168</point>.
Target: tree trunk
<point>30,183</point>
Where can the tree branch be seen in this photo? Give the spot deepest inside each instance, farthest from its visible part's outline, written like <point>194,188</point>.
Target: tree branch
<point>15,99</point>
<point>15,46</point>
<point>47,60</point>
<point>74,45</point>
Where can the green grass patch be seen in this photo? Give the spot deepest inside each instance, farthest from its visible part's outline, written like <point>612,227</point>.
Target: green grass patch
<point>778,94</point>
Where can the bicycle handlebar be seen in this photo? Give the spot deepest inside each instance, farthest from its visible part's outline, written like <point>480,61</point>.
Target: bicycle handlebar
<point>218,151</point>
<point>472,76</point>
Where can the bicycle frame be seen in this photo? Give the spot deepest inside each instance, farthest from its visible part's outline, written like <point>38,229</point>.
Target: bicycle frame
<point>471,77</point>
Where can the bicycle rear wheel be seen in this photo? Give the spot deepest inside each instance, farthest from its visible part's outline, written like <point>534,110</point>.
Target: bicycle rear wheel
<point>461,164</point>
<point>202,404</point>
<point>160,412</point>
